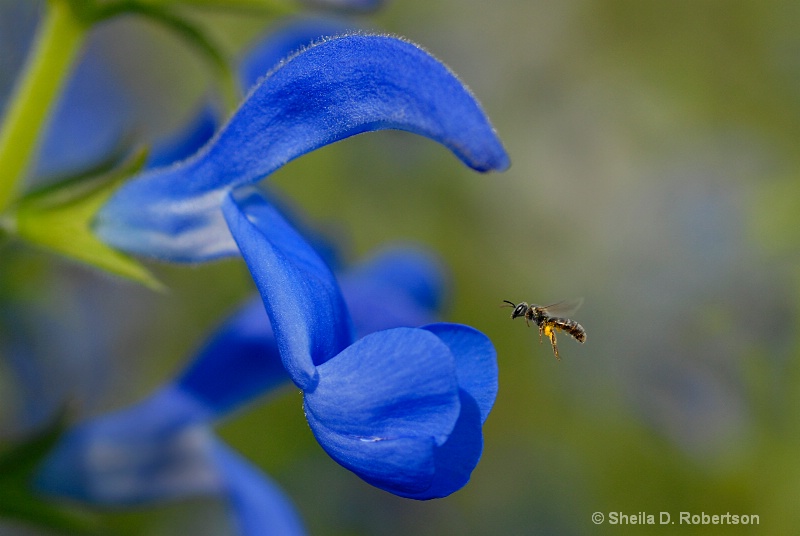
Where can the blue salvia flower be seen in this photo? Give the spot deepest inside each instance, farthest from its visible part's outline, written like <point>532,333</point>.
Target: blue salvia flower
<point>402,408</point>
<point>163,448</point>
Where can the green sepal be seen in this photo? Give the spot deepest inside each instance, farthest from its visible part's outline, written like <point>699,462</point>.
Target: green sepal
<point>59,218</point>
<point>18,498</point>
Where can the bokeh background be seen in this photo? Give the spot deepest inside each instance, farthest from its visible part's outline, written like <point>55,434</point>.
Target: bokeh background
<point>655,173</point>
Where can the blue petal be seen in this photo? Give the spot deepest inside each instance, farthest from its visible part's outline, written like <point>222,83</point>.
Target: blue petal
<point>384,404</point>
<point>335,89</point>
<point>395,383</point>
<point>476,362</point>
<point>152,451</point>
<point>284,41</point>
<point>401,286</point>
<point>259,507</point>
<point>476,366</point>
<point>301,296</point>
<point>455,460</point>
<point>402,466</point>
<point>240,361</point>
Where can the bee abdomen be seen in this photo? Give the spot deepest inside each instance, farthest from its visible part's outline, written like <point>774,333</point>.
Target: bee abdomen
<point>571,327</point>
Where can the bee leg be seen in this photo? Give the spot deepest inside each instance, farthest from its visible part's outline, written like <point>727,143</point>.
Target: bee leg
<point>551,334</point>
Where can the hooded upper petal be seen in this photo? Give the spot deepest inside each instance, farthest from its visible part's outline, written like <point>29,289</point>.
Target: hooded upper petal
<point>334,89</point>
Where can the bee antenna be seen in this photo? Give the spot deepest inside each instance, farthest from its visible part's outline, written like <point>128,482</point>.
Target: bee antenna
<point>510,304</point>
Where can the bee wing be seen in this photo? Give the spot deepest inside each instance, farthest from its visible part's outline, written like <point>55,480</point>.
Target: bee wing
<point>564,308</point>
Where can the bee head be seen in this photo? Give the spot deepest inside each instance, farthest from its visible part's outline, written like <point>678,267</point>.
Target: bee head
<point>519,309</point>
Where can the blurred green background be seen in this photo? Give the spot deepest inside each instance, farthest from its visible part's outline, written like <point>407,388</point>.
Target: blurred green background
<point>654,173</point>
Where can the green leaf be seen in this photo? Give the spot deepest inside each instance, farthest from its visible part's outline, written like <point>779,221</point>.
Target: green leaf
<point>59,219</point>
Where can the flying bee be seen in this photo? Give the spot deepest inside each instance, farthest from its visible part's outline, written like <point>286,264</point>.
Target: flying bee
<point>550,318</point>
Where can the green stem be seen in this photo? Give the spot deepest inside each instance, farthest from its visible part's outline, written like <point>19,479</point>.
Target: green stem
<point>58,42</point>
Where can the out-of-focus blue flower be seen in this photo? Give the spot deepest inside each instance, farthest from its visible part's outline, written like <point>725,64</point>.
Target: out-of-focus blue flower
<point>332,90</point>
<point>403,283</point>
<point>92,119</point>
<point>402,408</point>
<point>163,448</point>
<point>17,25</point>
